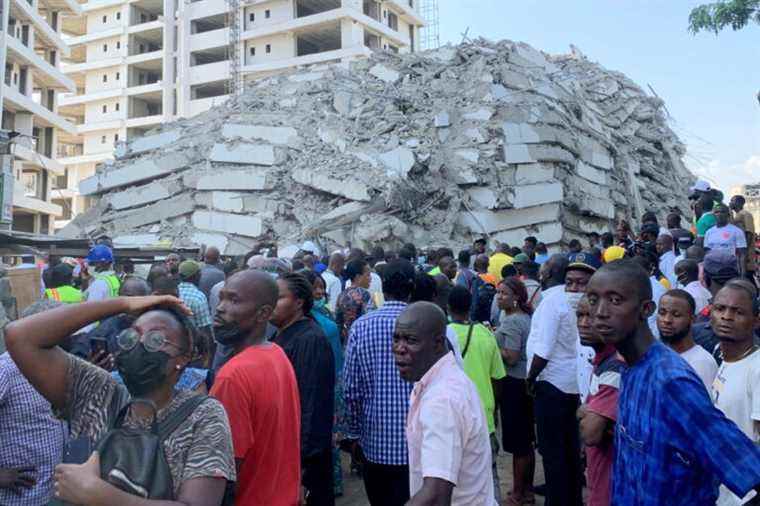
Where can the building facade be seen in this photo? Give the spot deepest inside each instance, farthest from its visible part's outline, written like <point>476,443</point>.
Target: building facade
<point>139,63</point>
<point>32,47</point>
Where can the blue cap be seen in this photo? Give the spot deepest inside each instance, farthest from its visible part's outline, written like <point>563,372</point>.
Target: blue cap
<point>584,261</point>
<point>100,253</point>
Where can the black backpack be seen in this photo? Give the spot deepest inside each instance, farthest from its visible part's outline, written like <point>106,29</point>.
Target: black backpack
<point>133,460</point>
<point>484,294</point>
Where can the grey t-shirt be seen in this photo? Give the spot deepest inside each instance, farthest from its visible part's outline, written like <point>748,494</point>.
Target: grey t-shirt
<point>512,334</point>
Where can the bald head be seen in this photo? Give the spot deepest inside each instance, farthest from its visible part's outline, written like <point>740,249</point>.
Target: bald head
<point>253,285</point>
<point>419,340</point>
<point>481,263</point>
<point>212,255</point>
<point>664,244</point>
<point>337,262</point>
<point>134,287</point>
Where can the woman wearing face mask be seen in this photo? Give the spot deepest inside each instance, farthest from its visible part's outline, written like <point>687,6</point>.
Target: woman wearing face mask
<point>152,355</point>
<point>322,316</point>
<point>308,349</point>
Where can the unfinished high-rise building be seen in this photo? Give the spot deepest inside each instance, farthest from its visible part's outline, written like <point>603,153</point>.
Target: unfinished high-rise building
<point>31,49</point>
<point>139,63</point>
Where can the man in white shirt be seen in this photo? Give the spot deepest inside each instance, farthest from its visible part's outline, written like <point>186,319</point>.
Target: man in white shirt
<point>726,236</point>
<point>664,247</point>
<point>687,272</point>
<point>675,316</point>
<point>552,357</point>
<point>333,284</point>
<point>446,429</point>
<point>736,389</point>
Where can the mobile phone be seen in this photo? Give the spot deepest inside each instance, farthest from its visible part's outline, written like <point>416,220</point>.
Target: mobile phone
<point>98,345</point>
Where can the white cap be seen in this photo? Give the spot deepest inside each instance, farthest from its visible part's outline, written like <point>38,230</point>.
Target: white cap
<point>310,246</point>
<point>701,186</point>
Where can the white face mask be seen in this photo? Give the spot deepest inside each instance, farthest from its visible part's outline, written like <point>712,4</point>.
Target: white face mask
<point>574,298</point>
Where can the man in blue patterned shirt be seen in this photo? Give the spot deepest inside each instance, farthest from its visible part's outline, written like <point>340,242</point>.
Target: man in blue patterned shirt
<point>377,399</point>
<point>672,446</point>
<point>190,276</point>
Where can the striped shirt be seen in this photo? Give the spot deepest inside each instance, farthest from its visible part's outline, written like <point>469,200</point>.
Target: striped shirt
<point>29,436</point>
<point>377,399</point>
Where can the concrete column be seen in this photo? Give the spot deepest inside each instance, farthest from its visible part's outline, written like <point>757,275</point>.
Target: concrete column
<point>170,25</point>
<point>24,123</point>
<point>183,61</point>
<point>4,15</point>
<point>351,33</point>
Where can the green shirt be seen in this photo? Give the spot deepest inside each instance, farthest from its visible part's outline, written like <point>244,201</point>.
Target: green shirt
<point>482,363</point>
<point>705,223</point>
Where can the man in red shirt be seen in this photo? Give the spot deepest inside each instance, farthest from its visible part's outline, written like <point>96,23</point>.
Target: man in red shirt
<point>259,391</point>
<point>599,414</point>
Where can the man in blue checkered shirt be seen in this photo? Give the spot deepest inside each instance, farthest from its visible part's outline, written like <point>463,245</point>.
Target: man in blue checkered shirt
<point>377,399</point>
<point>672,446</point>
<point>190,276</point>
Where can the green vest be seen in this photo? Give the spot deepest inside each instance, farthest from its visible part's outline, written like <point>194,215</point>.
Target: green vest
<point>113,283</point>
<point>66,294</point>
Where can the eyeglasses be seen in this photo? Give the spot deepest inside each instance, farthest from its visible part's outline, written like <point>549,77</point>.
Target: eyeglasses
<point>153,340</point>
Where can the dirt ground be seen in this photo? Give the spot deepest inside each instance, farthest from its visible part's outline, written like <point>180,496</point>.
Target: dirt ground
<point>354,487</point>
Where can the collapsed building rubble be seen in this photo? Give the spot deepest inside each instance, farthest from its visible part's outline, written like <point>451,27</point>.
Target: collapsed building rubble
<point>435,148</point>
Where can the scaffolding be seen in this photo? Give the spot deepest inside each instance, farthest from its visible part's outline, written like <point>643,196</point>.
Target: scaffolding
<point>429,36</point>
<point>235,81</point>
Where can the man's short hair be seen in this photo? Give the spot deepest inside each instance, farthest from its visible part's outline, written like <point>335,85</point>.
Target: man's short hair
<point>531,239</point>
<point>739,199</point>
<point>398,279</point>
<point>677,293</point>
<point>464,257</point>
<point>631,274</point>
<point>460,300</point>
<point>747,287</point>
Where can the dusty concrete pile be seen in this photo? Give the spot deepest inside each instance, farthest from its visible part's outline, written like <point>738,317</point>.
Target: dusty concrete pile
<point>434,148</point>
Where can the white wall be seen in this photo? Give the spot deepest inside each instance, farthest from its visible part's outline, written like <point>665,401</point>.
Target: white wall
<point>278,12</point>
<point>93,111</point>
<point>113,47</point>
<point>95,22</point>
<point>93,141</point>
<point>94,80</point>
<point>282,46</point>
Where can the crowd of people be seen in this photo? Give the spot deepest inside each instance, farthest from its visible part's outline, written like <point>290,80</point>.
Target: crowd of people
<point>630,361</point>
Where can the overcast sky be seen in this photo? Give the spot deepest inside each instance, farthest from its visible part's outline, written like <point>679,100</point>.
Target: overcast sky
<point>709,83</point>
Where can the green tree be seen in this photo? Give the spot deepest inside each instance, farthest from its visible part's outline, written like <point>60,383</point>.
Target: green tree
<point>718,15</point>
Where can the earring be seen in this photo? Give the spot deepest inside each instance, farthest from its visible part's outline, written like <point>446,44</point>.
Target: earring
<point>177,367</point>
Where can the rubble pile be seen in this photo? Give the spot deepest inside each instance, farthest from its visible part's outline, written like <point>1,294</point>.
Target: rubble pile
<point>435,148</point>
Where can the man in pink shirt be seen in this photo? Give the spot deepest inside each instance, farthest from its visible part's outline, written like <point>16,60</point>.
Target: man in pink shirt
<point>446,429</point>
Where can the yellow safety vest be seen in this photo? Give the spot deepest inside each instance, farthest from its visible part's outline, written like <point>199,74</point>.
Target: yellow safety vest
<point>113,283</point>
<point>65,294</point>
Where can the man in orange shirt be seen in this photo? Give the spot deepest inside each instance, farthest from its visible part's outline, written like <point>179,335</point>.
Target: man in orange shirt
<point>259,391</point>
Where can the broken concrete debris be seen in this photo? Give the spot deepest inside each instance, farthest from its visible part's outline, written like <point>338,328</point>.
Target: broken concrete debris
<point>436,148</point>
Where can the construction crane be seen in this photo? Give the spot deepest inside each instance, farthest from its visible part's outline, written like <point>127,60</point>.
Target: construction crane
<point>429,36</point>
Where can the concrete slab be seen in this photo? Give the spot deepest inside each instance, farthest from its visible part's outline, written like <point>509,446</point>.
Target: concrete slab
<point>518,153</point>
<point>384,73</point>
<point>441,120</point>
<point>494,221</point>
<point>397,162</point>
<point>153,213</point>
<point>252,179</point>
<point>547,233</point>
<point>217,240</point>
<point>283,136</point>
<point>481,114</point>
<point>227,201</point>
<point>135,240</point>
<point>151,142</point>
<point>586,171</point>
<point>250,226</point>
<point>135,172</point>
<point>349,187</point>
<point>532,173</point>
<point>141,195</point>
<point>469,155</point>
<point>249,154</point>
<point>483,197</point>
<point>537,194</point>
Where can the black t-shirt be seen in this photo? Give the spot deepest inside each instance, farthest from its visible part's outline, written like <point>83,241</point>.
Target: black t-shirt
<point>311,356</point>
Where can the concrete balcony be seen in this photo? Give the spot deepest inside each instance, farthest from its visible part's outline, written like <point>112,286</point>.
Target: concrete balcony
<point>103,125</point>
<point>45,35</point>
<point>145,121</point>
<point>14,101</point>
<point>204,104</point>
<point>156,87</point>
<point>310,59</point>
<point>100,4</point>
<point>206,8</point>
<point>141,58</point>
<point>83,159</point>
<point>90,97</point>
<point>406,12</point>
<point>92,37</point>
<point>33,204</point>
<point>81,68</point>
<point>45,73</point>
<point>208,40</point>
<point>150,25</point>
<point>208,72</point>
<point>32,158</point>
